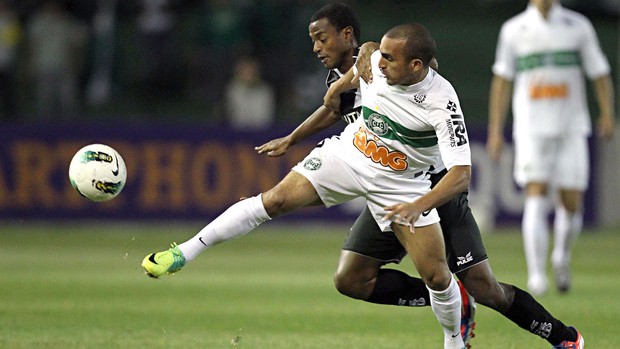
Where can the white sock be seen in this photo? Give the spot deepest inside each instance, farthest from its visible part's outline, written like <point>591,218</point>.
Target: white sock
<point>567,226</point>
<point>238,220</point>
<point>535,236</point>
<point>446,305</point>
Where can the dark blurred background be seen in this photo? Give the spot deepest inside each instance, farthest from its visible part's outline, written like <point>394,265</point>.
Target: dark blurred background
<point>173,59</point>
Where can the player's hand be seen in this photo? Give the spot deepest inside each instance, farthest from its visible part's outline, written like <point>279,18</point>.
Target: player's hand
<point>364,68</point>
<point>275,147</point>
<point>606,127</point>
<point>495,146</point>
<point>403,213</point>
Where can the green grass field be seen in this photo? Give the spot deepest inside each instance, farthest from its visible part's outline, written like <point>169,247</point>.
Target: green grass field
<point>80,286</point>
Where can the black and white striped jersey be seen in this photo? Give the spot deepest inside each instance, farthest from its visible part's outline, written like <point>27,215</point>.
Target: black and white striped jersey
<point>350,101</point>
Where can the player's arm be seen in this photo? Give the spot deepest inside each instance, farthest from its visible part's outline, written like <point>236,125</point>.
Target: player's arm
<point>331,100</point>
<point>318,121</point>
<point>452,184</point>
<point>453,144</point>
<point>455,181</point>
<point>499,101</point>
<point>603,88</point>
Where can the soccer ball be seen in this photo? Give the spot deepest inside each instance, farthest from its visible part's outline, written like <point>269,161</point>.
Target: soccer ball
<point>98,172</point>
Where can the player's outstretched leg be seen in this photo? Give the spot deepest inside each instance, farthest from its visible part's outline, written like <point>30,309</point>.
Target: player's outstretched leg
<point>516,304</point>
<point>237,220</point>
<point>293,192</point>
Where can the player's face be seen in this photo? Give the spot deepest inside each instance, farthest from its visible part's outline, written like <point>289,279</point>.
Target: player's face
<point>330,45</point>
<point>397,69</point>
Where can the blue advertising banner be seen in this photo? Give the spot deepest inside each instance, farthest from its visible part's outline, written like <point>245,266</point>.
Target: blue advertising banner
<point>192,172</point>
<point>174,172</point>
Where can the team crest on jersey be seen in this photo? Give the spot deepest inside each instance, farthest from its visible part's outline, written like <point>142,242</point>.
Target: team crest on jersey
<point>377,124</point>
<point>419,99</point>
<point>312,164</point>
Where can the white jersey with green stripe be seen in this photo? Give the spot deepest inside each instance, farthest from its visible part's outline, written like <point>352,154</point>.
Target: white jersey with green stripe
<point>547,59</point>
<point>410,128</point>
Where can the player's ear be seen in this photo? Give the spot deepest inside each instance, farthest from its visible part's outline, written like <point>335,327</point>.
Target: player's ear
<point>416,64</point>
<point>348,35</point>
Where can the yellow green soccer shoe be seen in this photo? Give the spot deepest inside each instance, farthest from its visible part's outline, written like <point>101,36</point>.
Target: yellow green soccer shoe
<point>160,263</point>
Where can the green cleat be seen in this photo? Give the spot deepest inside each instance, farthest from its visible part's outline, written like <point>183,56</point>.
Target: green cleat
<point>160,263</point>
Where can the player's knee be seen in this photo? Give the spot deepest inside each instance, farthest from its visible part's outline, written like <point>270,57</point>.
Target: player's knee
<point>571,200</point>
<point>350,286</point>
<point>505,297</point>
<point>493,295</point>
<point>571,206</point>
<point>536,189</point>
<point>437,280</point>
<point>274,203</point>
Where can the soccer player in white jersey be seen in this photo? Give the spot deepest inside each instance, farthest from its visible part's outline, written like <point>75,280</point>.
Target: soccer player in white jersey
<point>363,271</point>
<point>512,302</point>
<point>545,52</point>
<point>384,157</point>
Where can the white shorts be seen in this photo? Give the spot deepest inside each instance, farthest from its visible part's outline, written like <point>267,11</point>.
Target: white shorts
<point>339,178</point>
<point>562,162</point>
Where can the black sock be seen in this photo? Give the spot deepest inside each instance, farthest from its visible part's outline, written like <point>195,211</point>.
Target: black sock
<point>394,287</point>
<point>530,315</point>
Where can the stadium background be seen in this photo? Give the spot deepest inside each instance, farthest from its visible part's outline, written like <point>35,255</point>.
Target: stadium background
<point>185,161</point>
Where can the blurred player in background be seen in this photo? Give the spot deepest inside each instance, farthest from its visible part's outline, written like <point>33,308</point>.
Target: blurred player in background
<point>361,273</point>
<point>545,51</point>
<point>10,38</point>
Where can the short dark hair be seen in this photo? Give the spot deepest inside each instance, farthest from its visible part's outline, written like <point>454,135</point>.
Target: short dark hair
<point>340,16</point>
<point>419,42</point>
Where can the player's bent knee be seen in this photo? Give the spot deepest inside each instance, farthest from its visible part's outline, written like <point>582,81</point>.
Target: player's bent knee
<point>437,281</point>
<point>274,202</point>
<point>490,293</point>
<point>350,286</point>
<point>497,296</point>
<point>293,192</point>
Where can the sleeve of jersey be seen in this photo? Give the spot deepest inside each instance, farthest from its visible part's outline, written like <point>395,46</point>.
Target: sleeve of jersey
<point>451,135</point>
<point>593,59</point>
<point>504,64</point>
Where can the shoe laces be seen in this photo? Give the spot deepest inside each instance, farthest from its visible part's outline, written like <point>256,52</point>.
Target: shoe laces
<point>177,255</point>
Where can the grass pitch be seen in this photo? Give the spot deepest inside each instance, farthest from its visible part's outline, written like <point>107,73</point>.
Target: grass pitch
<point>81,286</point>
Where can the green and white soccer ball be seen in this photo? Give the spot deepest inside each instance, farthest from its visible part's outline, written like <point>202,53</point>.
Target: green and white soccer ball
<point>98,172</point>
